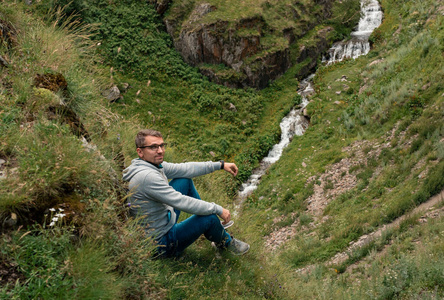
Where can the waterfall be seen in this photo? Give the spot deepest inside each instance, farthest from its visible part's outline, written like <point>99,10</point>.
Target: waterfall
<point>295,122</point>
<point>371,18</point>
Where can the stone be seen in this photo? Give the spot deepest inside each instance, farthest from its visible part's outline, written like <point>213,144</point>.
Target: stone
<point>112,94</point>
<point>232,107</point>
<point>124,87</point>
<point>212,154</point>
<point>2,162</point>
<point>338,92</point>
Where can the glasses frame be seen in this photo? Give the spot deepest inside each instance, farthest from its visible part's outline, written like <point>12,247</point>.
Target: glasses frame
<point>155,147</point>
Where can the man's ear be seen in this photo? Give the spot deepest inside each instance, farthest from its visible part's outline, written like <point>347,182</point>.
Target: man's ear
<point>139,152</point>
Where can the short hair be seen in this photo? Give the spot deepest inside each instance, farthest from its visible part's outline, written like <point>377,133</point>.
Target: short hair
<point>140,137</point>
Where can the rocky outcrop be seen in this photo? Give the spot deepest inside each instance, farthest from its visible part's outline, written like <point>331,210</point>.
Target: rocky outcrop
<point>233,53</point>
<point>223,43</point>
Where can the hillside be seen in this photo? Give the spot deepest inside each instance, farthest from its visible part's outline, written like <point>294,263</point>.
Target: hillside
<point>352,210</point>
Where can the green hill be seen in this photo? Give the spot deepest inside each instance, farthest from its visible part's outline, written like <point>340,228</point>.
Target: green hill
<point>323,223</point>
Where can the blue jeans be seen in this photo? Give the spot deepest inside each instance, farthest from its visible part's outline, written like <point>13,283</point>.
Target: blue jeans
<point>183,234</point>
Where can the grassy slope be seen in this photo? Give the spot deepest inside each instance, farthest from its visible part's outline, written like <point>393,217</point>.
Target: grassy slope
<point>402,93</point>
<point>116,251</point>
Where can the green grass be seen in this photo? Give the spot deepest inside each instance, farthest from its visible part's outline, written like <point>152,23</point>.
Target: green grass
<point>48,167</point>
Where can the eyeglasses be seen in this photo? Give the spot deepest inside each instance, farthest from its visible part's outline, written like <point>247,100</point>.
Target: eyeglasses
<point>155,147</point>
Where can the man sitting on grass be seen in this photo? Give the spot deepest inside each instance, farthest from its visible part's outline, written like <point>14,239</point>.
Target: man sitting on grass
<point>158,203</point>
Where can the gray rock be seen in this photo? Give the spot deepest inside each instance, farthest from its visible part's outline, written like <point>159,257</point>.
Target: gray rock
<point>232,107</point>
<point>112,94</point>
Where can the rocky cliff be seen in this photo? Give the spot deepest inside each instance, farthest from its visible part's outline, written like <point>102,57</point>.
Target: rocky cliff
<point>249,51</point>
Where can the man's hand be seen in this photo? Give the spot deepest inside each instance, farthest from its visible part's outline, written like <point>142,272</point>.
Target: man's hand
<point>226,216</point>
<point>231,168</point>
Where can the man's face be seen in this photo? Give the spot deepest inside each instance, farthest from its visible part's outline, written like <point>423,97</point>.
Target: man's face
<point>150,155</point>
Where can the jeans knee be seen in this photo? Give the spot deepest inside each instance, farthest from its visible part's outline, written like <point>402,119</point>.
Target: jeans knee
<point>214,219</point>
<point>182,181</point>
<point>210,220</point>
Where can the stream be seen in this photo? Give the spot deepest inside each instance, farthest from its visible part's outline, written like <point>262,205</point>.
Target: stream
<point>295,123</point>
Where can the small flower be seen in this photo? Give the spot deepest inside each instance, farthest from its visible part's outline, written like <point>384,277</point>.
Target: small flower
<point>52,209</point>
<point>55,219</point>
<point>60,215</point>
<point>51,224</point>
<point>61,209</point>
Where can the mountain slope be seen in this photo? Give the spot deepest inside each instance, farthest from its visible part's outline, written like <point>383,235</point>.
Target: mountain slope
<point>373,152</point>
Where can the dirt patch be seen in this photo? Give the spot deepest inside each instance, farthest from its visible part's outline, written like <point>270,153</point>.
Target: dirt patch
<point>9,274</point>
<point>52,82</point>
<point>336,180</point>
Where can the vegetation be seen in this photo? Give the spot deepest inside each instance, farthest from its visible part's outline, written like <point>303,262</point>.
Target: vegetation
<point>65,231</point>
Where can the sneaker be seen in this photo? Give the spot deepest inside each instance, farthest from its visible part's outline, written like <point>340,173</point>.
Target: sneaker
<point>229,224</point>
<point>238,247</point>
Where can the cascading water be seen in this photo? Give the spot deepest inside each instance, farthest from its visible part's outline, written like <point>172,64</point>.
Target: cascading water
<point>292,124</point>
<point>295,123</point>
<point>371,18</point>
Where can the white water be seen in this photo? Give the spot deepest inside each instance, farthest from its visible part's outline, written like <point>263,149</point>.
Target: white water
<point>371,18</point>
<point>295,123</point>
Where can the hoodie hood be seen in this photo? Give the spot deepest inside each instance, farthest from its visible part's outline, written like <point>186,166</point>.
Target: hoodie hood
<point>137,165</point>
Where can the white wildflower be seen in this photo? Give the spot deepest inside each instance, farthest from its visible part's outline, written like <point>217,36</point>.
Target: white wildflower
<point>55,219</point>
<point>61,209</point>
<point>52,224</point>
<point>52,209</point>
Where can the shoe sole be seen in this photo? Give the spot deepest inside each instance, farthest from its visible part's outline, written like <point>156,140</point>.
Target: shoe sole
<point>229,224</point>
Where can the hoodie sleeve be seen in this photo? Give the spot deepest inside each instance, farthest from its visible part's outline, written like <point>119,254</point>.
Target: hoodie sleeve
<point>155,187</point>
<point>190,169</point>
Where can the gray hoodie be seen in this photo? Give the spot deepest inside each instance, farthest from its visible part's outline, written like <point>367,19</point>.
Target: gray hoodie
<point>151,197</point>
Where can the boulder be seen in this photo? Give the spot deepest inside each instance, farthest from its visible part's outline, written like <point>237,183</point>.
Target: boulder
<point>112,94</point>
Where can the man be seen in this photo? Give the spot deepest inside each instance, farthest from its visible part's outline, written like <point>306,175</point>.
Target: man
<point>158,203</point>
